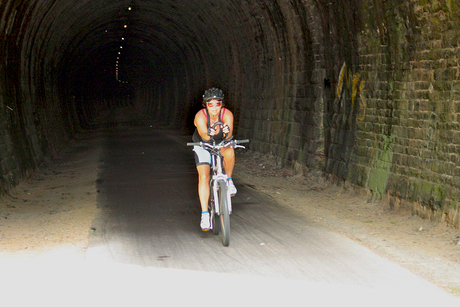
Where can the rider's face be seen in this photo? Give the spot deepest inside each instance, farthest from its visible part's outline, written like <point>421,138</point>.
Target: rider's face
<point>214,106</point>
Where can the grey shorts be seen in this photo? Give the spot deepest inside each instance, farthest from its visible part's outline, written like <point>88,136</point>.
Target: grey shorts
<point>202,156</point>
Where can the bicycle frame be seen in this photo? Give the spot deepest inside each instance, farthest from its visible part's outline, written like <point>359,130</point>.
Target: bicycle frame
<point>217,167</point>
<point>218,174</point>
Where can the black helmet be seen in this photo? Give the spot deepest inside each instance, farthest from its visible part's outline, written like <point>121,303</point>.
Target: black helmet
<point>213,93</point>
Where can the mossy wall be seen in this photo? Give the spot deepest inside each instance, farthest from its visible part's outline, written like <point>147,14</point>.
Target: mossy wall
<point>407,100</point>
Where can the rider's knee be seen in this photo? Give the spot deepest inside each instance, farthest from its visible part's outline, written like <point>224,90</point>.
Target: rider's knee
<point>204,177</point>
<point>229,154</point>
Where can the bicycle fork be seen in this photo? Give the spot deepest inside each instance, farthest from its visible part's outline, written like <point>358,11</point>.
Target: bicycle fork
<point>217,176</point>
<point>215,181</point>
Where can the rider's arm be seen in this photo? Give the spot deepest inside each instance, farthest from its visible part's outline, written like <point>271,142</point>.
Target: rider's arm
<point>228,119</point>
<point>201,126</point>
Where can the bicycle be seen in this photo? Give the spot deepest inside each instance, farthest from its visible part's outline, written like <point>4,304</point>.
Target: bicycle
<point>220,204</point>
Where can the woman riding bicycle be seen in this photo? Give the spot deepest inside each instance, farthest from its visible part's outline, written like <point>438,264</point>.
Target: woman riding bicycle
<point>204,120</point>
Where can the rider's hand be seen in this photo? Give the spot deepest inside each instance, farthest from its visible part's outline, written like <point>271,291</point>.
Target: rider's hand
<point>225,129</point>
<point>211,131</point>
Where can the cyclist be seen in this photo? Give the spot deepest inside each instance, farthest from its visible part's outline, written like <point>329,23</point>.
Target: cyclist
<point>213,112</point>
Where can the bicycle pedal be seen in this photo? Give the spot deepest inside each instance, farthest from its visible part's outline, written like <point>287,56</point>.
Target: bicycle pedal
<point>206,229</point>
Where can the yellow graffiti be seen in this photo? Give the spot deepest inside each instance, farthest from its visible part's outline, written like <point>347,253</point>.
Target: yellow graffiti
<point>341,76</point>
<point>361,95</point>
<point>357,86</point>
<point>354,90</point>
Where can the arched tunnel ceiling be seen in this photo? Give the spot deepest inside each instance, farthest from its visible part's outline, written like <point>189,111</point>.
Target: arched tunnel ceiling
<point>142,36</point>
<point>81,53</point>
<point>70,59</point>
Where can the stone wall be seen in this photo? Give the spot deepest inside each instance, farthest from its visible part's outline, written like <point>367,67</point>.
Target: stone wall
<point>33,124</point>
<point>407,96</point>
<point>371,98</point>
<point>282,109</point>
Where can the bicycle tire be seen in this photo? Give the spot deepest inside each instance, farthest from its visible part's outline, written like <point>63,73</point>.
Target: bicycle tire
<point>224,214</point>
<point>214,218</point>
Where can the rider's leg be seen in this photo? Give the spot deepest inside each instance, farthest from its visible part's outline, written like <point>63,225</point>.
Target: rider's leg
<point>204,176</point>
<point>229,160</point>
<point>229,163</point>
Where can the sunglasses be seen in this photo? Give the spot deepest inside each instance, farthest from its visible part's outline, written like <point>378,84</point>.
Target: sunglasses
<point>215,104</point>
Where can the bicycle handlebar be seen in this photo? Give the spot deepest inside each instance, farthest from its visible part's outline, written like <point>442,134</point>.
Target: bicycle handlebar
<point>226,143</point>
<point>217,123</point>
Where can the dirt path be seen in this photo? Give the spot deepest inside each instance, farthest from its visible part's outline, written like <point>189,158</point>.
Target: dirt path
<point>52,211</point>
<point>430,250</point>
<point>50,214</point>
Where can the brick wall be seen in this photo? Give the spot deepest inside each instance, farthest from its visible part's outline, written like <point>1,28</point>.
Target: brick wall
<point>407,147</point>
<point>372,97</point>
<point>282,101</point>
<point>32,122</point>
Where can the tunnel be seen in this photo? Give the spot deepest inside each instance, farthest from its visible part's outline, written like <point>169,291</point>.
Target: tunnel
<point>363,91</point>
<point>66,61</point>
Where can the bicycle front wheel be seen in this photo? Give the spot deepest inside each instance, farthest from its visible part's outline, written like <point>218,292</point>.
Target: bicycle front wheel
<point>214,218</point>
<point>224,213</point>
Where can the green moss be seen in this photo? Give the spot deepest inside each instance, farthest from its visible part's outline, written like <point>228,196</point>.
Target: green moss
<point>452,204</point>
<point>439,195</point>
<point>425,193</point>
<point>379,174</point>
<point>378,180</point>
<point>452,5</point>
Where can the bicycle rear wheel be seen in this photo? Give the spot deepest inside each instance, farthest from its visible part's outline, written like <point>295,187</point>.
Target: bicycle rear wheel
<point>224,214</point>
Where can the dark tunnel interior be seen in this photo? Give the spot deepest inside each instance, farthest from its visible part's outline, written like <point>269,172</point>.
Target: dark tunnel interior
<point>166,52</point>
<point>67,62</point>
<point>77,58</point>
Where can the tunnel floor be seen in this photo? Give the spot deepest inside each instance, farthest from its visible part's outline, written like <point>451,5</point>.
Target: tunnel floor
<point>51,213</point>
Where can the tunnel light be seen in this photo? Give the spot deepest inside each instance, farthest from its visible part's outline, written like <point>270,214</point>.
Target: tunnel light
<point>121,47</point>
<point>122,38</point>
<point>125,26</point>
<point>129,8</point>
